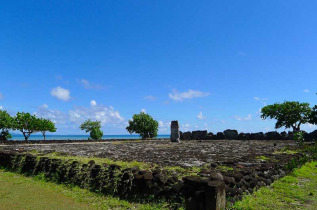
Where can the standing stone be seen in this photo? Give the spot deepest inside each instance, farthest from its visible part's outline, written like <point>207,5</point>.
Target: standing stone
<point>215,196</point>
<point>175,131</point>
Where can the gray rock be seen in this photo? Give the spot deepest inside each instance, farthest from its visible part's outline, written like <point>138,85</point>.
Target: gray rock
<point>175,135</point>
<point>199,135</point>
<point>216,177</point>
<point>231,134</point>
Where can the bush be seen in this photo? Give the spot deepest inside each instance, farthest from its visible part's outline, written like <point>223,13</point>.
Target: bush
<point>299,138</point>
<point>5,135</point>
<point>93,127</point>
<point>6,122</point>
<point>96,134</point>
<point>144,125</point>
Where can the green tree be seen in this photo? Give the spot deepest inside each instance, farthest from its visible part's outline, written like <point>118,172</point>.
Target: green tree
<point>94,127</point>
<point>144,125</point>
<point>5,125</point>
<point>26,123</point>
<point>313,116</point>
<point>290,114</point>
<point>45,125</point>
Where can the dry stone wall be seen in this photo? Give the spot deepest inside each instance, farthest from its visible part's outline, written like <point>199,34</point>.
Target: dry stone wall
<point>206,190</point>
<point>234,135</point>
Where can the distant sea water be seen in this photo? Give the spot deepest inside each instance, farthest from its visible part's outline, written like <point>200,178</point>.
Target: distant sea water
<point>80,137</point>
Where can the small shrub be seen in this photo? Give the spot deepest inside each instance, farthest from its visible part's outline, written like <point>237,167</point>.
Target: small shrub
<point>299,138</point>
<point>96,134</point>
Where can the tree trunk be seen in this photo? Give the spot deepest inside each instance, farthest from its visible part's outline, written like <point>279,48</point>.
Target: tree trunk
<point>25,136</point>
<point>43,135</point>
<point>296,129</point>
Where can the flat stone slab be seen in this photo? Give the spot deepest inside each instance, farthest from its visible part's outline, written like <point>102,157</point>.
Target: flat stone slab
<point>164,152</point>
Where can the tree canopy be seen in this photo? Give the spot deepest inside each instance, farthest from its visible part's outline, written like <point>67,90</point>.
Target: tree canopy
<point>290,114</point>
<point>5,125</point>
<point>144,125</point>
<point>45,125</point>
<point>313,117</point>
<point>26,123</point>
<point>94,127</point>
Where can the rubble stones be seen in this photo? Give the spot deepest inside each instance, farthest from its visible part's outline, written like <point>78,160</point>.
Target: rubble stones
<point>164,152</point>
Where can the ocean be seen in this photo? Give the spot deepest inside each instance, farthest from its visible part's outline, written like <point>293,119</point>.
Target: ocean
<point>79,137</point>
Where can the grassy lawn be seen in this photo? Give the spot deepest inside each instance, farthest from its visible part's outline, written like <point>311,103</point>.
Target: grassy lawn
<point>296,191</point>
<point>20,192</point>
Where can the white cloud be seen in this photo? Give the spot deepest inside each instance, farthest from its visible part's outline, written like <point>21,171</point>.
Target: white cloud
<point>93,103</point>
<point>309,127</point>
<point>77,115</point>
<point>177,96</point>
<point>56,116</point>
<point>88,85</point>
<point>260,99</point>
<point>61,93</point>
<point>101,113</point>
<point>1,107</point>
<point>249,117</point>
<point>44,106</point>
<point>143,110</point>
<point>200,116</point>
<point>164,126</point>
<point>150,98</point>
<point>1,96</point>
<point>185,127</point>
<point>306,91</point>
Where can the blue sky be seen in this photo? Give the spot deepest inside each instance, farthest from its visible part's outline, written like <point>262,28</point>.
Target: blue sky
<point>209,64</point>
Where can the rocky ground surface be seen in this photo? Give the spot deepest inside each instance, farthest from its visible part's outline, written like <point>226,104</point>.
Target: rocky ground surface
<point>165,153</point>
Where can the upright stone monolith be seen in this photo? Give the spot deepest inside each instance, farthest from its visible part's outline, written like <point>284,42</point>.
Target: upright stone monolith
<point>175,131</point>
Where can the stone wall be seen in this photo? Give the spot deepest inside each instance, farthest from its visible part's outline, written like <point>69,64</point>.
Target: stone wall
<point>108,179</point>
<point>207,190</point>
<point>233,134</point>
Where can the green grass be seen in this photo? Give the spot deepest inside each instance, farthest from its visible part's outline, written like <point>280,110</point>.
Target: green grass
<point>263,158</point>
<point>123,164</point>
<point>296,191</point>
<point>98,160</point>
<point>224,168</point>
<point>19,192</point>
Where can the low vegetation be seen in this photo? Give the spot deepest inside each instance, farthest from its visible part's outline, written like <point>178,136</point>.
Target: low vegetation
<point>175,170</point>
<point>295,191</point>
<point>17,191</point>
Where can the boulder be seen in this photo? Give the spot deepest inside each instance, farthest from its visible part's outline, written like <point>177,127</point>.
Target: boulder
<point>187,135</point>
<point>311,136</point>
<point>273,135</point>
<point>220,135</point>
<point>210,136</point>
<point>201,135</point>
<point>241,136</point>
<point>259,136</point>
<point>231,134</point>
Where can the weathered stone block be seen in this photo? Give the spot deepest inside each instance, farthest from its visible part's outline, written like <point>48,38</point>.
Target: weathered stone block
<point>215,196</point>
<point>231,134</point>
<point>175,135</point>
<point>187,135</point>
<point>199,135</point>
